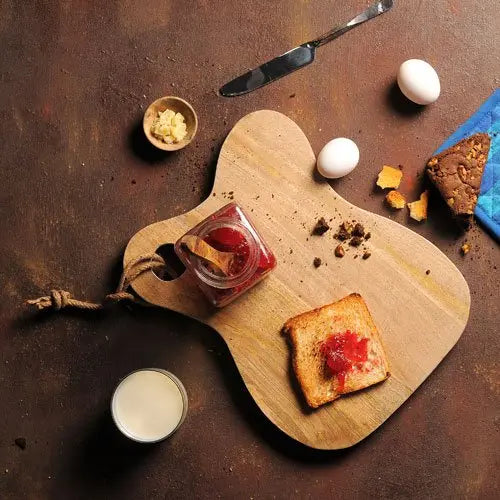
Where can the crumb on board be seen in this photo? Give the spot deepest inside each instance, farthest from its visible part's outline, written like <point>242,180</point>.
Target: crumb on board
<point>358,230</point>
<point>367,255</point>
<point>389,177</point>
<point>316,262</point>
<point>428,272</point>
<point>344,232</point>
<point>395,199</point>
<point>339,251</point>
<point>356,241</point>
<point>418,209</point>
<point>353,234</point>
<point>321,227</point>
<point>465,248</point>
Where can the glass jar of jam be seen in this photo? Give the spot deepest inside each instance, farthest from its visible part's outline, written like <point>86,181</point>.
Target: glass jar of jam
<point>228,230</point>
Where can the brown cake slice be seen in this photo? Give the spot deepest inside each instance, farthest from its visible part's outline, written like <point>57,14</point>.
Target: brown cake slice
<point>457,173</point>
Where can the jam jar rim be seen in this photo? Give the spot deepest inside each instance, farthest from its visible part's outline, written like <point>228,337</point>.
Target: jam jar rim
<point>251,264</point>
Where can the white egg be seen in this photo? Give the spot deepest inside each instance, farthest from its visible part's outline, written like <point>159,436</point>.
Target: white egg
<point>338,158</point>
<point>419,81</point>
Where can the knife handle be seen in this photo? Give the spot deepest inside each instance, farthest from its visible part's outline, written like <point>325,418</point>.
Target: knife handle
<point>371,12</point>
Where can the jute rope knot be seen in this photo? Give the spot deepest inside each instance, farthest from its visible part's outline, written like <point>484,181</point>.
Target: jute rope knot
<point>59,299</point>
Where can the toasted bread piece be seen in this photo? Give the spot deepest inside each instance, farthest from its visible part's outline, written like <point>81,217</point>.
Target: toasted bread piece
<point>395,199</point>
<point>418,209</point>
<point>389,177</point>
<point>308,333</point>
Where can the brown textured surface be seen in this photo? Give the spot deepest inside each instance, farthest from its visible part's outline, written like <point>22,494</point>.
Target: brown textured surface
<point>78,180</point>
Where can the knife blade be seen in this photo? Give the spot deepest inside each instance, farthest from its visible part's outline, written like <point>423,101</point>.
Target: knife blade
<point>298,57</point>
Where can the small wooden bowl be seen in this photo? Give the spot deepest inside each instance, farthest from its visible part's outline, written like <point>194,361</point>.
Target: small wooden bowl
<point>179,106</point>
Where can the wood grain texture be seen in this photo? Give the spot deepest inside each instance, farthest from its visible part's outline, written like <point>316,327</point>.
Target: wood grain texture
<point>268,163</point>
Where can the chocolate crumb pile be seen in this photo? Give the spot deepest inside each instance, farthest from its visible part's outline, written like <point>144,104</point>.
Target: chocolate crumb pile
<point>350,233</point>
<point>353,234</point>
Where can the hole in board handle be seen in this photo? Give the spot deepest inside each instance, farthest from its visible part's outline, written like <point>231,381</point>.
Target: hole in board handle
<point>174,268</point>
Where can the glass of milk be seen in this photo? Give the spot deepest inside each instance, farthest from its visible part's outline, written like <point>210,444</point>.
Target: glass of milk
<point>149,405</point>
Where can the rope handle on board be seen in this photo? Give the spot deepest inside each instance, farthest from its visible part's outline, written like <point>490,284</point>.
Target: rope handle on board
<point>59,299</point>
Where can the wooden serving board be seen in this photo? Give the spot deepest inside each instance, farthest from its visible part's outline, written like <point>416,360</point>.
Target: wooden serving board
<point>268,163</point>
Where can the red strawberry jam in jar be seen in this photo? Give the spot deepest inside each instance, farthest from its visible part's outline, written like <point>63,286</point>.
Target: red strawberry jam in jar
<point>228,230</point>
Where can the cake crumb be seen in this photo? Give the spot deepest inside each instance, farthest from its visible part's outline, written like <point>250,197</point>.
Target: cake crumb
<point>355,241</point>
<point>339,251</point>
<point>358,230</point>
<point>321,227</point>
<point>344,232</point>
<point>317,262</point>
<point>367,255</point>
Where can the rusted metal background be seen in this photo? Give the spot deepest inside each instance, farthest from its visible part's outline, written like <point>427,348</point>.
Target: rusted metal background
<point>78,180</point>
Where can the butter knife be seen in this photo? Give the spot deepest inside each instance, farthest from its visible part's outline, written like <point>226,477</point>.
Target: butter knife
<point>298,57</point>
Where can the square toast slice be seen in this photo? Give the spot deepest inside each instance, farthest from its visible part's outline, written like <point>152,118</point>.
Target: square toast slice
<point>308,333</point>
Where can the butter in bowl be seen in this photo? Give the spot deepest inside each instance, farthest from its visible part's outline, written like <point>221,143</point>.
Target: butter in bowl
<point>170,123</point>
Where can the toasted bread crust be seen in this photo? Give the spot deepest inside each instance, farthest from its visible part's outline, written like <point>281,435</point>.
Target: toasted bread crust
<point>306,332</point>
<point>395,199</point>
<point>389,177</point>
<point>418,209</point>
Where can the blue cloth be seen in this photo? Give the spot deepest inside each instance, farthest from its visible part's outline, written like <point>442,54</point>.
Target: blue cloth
<point>486,119</point>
